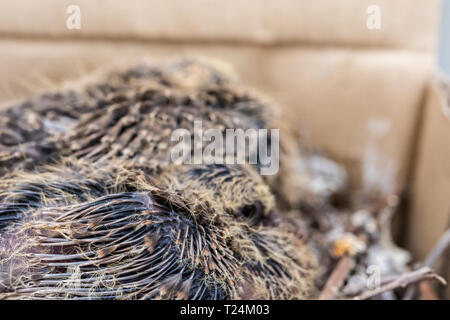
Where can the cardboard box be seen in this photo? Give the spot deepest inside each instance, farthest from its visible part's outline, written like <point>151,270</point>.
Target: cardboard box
<point>430,200</point>
<point>404,23</point>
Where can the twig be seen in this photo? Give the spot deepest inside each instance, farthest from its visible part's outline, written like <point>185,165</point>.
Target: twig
<point>337,278</point>
<point>402,281</point>
<point>437,251</point>
<point>356,288</point>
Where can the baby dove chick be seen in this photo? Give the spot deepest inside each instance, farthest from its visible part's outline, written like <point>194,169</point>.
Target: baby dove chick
<point>91,205</point>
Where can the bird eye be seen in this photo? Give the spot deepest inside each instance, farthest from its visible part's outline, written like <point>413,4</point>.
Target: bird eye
<point>252,213</point>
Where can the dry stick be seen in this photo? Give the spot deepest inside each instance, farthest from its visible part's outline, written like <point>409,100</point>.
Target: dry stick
<point>337,278</point>
<point>347,263</point>
<point>437,251</point>
<point>339,274</point>
<point>443,243</point>
<point>424,273</point>
<point>359,287</point>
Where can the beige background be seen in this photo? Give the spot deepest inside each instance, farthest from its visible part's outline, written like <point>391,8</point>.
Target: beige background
<point>405,23</point>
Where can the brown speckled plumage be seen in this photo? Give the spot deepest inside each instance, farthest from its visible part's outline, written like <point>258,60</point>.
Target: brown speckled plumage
<point>90,206</point>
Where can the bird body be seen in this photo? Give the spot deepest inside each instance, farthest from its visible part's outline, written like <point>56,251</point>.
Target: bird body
<point>91,207</point>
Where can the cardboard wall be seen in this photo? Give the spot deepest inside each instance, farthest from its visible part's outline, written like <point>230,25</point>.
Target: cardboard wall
<point>430,199</point>
<point>328,22</point>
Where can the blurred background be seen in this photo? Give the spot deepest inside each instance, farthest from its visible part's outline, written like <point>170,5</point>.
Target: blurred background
<point>356,78</point>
